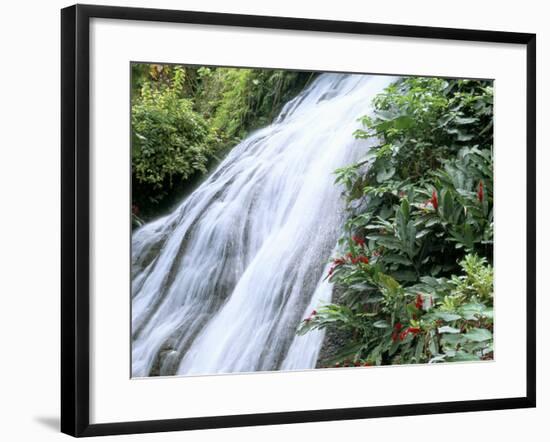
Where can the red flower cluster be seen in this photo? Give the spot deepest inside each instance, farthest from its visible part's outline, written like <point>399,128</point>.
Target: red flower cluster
<point>434,200</point>
<point>339,261</point>
<point>361,258</point>
<point>408,330</point>
<point>480,192</point>
<point>400,334</point>
<point>311,315</point>
<point>396,328</point>
<point>359,241</point>
<point>419,302</point>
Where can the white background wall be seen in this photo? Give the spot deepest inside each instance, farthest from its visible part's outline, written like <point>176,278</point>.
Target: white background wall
<point>29,220</point>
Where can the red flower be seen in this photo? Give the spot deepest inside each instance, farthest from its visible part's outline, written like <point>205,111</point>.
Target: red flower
<point>350,255</point>
<point>434,201</point>
<point>396,329</point>
<point>337,262</point>
<point>419,302</point>
<point>363,259</point>
<point>404,333</point>
<point>313,313</point>
<point>480,192</point>
<point>359,241</point>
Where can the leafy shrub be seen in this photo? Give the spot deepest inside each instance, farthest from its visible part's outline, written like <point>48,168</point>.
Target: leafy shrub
<point>239,100</point>
<point>421,121</point>
<point>184,119</point>
<point>434,320</point>
<point>415,277</point>
<point>169,140</point>
<point>425,227</point>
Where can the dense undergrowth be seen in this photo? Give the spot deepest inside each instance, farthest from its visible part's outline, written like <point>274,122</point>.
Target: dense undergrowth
<point>184,119</point>
<point>414,275</point>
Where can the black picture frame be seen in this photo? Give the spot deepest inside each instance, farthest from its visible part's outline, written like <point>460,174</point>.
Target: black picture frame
<point>75,212</point>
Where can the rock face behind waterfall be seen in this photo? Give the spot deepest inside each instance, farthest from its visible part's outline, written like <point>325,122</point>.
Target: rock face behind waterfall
<point>221,284</point>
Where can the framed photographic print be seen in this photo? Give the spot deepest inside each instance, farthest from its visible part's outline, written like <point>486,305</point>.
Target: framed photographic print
<point>275,220</point>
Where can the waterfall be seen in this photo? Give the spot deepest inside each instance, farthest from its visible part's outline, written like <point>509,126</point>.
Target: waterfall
<point>221,284</point>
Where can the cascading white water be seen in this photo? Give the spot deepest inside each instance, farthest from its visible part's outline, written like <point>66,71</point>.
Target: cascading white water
<point>221,284</point>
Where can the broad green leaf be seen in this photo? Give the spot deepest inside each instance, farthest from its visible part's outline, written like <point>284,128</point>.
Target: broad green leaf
<point>397,259</point>
<point>385,174</point>
<point>452,339</point>
<point>448,329</point>
<point>403,122</point>
<point>462,356</point>
<point>388,282</point>
<point>419,350</point>
<point>478,335</point>
<point>459,120</point>
<point>405,209</point>
<point>405,275</point>
<point>447,316</point>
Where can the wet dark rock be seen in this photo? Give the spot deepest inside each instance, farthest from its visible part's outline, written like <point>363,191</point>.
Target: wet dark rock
<point>334,341</point>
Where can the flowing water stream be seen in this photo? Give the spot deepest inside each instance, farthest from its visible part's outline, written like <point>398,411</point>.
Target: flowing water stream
<point>221,284</point>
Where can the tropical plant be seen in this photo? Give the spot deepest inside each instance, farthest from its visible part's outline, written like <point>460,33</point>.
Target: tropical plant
<point>414,279</point>
<point>434,320</point>
<point>169,140</point>
<point>185,119</point>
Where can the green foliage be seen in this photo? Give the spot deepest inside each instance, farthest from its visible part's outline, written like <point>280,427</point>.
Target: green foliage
<point>239,100</point>
<point>424,227</point>
<point>169,139</point>
<point>421,121</point>
<point>434,320</point>
<point>415,281</point>
<point>186,118</point>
